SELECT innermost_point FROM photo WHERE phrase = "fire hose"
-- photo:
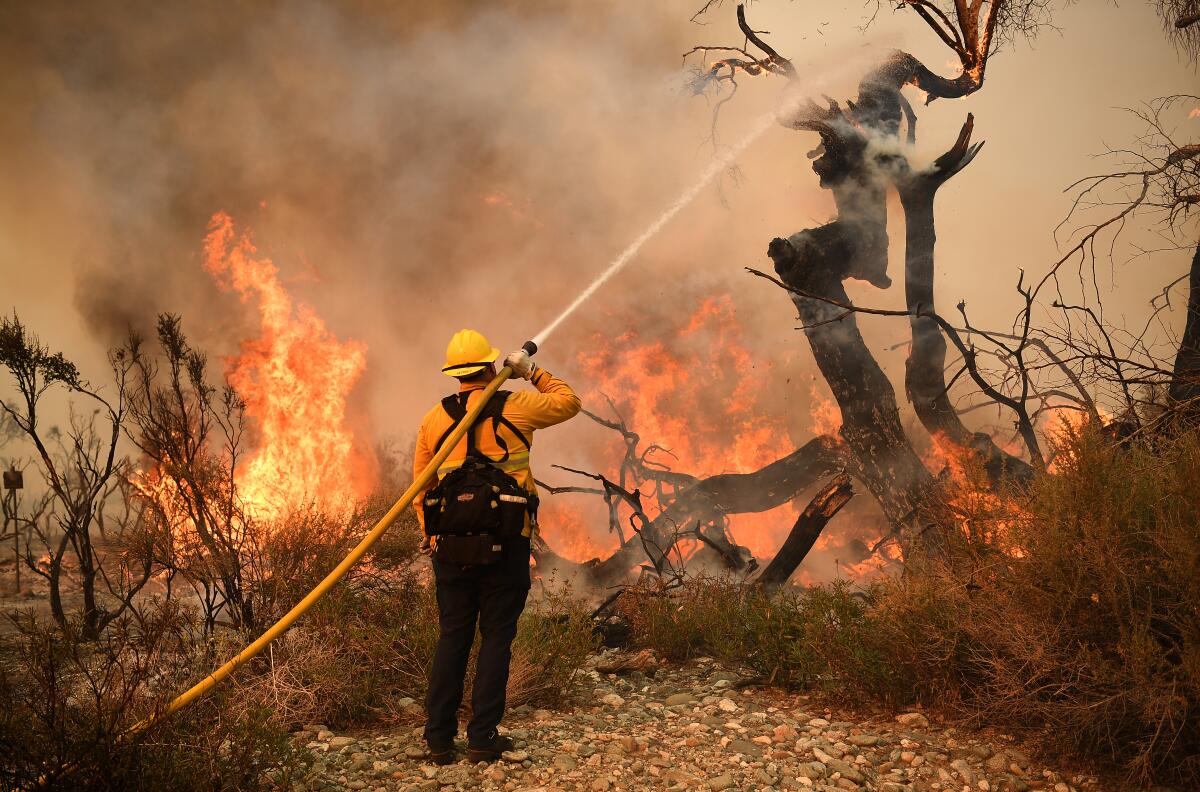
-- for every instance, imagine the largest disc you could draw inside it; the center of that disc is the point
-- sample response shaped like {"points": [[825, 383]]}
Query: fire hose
{"points": [[337, 573]]}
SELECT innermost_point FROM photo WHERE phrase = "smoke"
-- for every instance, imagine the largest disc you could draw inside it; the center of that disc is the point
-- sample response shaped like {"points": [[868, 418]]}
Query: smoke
{"points": [[411, 169]]}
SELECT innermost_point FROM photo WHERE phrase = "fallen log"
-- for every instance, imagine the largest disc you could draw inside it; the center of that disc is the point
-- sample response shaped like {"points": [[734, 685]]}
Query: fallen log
{"points": [[820, 510], [717, 496]]}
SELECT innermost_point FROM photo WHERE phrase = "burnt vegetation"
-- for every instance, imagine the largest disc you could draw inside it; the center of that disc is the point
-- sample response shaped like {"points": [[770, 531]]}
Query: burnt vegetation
{"points": [[1078, 543]]}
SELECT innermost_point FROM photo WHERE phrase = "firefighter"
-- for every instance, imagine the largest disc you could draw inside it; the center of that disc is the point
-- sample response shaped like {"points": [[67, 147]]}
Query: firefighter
{"points": [[478, 519]]}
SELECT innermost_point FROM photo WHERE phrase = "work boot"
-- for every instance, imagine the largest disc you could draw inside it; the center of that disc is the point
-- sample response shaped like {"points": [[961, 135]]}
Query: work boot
{"points": [[489, 752], [441, 755]]}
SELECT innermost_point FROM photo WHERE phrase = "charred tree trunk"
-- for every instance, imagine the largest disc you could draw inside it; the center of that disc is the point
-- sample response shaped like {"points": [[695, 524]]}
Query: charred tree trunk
{"points": [[820, 510], [1185, 379], [925, 369], [815, 262]]}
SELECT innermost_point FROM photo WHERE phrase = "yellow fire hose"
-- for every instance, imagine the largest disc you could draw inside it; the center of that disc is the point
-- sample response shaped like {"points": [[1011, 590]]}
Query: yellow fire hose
{"points": [[321, 589]]}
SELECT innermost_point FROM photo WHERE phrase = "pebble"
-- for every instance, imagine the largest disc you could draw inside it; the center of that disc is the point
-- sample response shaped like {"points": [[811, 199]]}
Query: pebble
{"points": [[687, 729]]}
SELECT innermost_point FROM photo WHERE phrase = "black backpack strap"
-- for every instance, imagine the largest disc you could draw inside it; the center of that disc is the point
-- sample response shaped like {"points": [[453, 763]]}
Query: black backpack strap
{"points": [[456, 407]]}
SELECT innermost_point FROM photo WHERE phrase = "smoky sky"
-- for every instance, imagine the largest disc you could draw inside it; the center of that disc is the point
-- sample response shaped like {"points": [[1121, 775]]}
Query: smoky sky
{"points": [[414, 168]]}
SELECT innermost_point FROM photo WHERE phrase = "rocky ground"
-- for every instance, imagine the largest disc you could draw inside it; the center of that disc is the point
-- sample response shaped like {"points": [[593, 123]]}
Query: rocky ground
{"points": [[694, 728]]}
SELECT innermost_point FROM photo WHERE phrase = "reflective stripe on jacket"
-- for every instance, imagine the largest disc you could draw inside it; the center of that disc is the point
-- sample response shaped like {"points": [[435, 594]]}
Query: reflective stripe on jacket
{"points": [[554, 402]]}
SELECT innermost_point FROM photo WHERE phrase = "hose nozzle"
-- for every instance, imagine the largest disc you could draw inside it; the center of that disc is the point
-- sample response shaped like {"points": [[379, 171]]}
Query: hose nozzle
{"points": [[530, 347]]}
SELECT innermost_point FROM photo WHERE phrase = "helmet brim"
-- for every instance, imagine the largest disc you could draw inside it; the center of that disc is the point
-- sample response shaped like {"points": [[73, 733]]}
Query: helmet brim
{"points": [[459, 370]]}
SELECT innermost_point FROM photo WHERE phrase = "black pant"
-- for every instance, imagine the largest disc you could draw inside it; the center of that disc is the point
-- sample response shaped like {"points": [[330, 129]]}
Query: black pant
{"points": [[492, 596]]}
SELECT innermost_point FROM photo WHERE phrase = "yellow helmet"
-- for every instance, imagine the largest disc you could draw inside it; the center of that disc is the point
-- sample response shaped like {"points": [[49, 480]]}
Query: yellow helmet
{"points": [[468, 353]]}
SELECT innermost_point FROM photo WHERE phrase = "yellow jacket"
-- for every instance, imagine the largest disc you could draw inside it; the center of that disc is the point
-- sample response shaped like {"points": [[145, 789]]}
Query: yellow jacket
{"points": [[554, 403]]}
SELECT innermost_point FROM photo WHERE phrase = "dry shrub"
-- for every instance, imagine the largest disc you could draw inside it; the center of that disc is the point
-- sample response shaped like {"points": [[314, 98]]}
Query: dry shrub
{"points": [[701, 616], [1072, 608], [816, 638], [369, 644], [554, 638], [1081, 615], [66, 706]]}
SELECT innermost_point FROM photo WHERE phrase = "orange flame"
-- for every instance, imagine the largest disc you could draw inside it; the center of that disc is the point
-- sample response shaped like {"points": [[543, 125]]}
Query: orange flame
{"points": [[699, 395], [295, 379]]}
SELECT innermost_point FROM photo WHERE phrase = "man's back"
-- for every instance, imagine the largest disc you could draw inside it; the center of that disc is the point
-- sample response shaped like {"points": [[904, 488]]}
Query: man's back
{"points": [[554, 402]]}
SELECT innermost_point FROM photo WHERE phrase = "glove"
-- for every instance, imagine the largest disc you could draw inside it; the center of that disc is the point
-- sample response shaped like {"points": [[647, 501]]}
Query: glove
{"points": [[521, 364], [425, 549]]}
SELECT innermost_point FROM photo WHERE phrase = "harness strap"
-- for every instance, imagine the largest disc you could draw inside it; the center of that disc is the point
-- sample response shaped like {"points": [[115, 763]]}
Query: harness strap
{"points": [[455, 406]]}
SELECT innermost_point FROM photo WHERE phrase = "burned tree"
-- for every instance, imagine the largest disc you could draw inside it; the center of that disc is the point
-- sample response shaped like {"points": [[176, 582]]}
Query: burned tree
{"points": [[189, 434], [1157, 177], [81, 471]]}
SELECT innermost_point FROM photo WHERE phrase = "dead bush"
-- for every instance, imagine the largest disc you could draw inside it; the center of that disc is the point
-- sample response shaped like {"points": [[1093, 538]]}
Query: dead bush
{"points": [[370, 644], [1080, 613], [66, 706], [820, 638], [554, 638]]}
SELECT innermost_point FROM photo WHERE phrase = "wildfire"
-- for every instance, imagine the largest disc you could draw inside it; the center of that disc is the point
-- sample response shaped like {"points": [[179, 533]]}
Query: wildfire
{"points": [[825, 418], [980, 511], [295, 379], [700, 395]]}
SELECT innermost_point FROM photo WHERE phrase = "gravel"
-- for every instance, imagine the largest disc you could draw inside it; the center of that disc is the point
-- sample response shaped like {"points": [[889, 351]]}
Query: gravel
{"points": [[692, 728]]}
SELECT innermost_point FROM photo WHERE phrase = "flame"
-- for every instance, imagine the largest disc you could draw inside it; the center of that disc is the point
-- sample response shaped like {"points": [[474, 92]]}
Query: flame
{"points": [[295, 379], [825, 417], [1195, 113], [972, 502], [696, 397]]}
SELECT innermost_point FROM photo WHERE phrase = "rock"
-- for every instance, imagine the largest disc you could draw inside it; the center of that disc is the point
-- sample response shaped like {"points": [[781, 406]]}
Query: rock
{"points": [[723, 781], [515, 756], [727, 705], [415, 752], [964, 771], [565, 763], [679, 698], [745, 747], [1010, 783], [863, 740], [341, 742], [601, 785], [847, 771], [453, 774], [764, 778], [613, 700], [496, 774], [913, 720], [783, 733], [677, 776]]}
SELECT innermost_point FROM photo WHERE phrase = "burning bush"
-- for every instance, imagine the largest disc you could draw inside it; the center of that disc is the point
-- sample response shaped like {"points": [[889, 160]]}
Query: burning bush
{"points": [[1090, 623]]}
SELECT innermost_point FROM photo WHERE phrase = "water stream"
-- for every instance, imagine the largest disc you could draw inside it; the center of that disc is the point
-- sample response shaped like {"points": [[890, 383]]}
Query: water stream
{"points": [[720, 163]]}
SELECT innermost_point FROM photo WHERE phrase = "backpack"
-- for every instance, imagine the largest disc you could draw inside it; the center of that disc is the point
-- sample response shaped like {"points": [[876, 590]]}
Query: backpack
{"points": [[477, 504]]}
